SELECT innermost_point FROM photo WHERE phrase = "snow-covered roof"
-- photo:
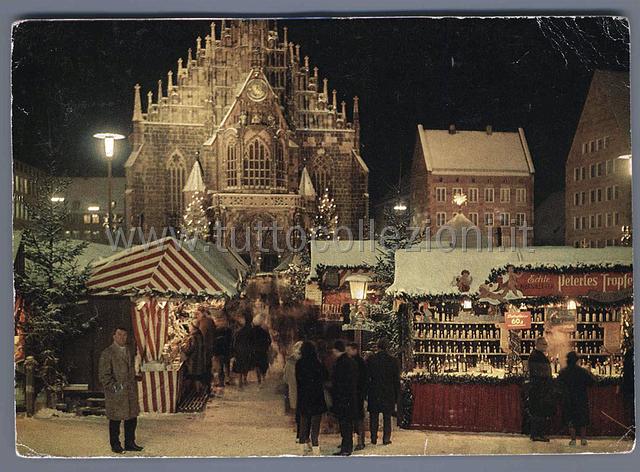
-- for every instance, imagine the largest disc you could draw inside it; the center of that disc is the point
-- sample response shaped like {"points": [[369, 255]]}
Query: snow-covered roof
{"points": [[133, 156], [343, 254], [475, 152], [360, 161], [306, 186], [466, 233], [422, 272], [195, 182], [95, 253]]}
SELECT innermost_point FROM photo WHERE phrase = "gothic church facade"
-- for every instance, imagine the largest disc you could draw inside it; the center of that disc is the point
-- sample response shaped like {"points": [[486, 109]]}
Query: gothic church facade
{"points": [[267, 133]]}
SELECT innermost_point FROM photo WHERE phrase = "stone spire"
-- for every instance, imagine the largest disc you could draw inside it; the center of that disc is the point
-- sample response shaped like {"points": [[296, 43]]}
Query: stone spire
{"points": [[179, 67], [315, 74], [343, 112], [306, 62], [159, 91], [325, 89], [169, 82], [213, 32], [291, 53], [137, 104], [334, 100], [356, 121], [149, 100], [189, 58], [298, 53], [198, 44], [286, 36]]}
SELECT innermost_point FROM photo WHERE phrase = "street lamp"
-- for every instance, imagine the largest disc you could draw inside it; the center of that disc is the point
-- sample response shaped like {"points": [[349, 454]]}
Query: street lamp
{"points": [[109, 140], [358, 285]]}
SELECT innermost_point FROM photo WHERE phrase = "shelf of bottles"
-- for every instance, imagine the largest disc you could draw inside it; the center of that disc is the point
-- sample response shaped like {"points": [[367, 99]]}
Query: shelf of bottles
{"points": [[446, 344], [588, 338]]}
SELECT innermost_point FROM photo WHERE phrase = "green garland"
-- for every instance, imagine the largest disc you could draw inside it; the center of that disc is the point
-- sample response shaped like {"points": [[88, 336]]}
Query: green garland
{"points": [[322, 268], [148, 292], [578, 268]]}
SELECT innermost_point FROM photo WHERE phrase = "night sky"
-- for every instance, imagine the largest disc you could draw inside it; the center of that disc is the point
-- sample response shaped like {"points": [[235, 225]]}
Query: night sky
{"points": [[73, 79]]}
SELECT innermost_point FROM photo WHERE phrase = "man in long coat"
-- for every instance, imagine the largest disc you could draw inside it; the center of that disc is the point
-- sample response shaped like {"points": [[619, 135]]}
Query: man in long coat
{"points": [[353, 351], [117, 376], [541, 401], [383, 391], [344, 395]]}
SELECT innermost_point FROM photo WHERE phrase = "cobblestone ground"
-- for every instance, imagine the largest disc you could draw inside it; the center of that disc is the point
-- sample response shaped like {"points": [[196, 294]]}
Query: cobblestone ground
{"points": [[251, 422]]}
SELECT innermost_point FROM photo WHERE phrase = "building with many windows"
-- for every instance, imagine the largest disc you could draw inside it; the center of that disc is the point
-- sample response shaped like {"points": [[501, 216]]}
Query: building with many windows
{"points": [[598, 167], [256, 114], [486, 175], [25, 190]]}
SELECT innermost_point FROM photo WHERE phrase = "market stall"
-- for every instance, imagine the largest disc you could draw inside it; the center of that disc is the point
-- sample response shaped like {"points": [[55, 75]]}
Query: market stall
{"points": [[161, 284], [332, 262], [476, 316]]}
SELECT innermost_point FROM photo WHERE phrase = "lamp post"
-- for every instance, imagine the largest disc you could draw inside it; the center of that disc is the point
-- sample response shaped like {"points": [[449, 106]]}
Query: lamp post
{"points": [[358, 285], [109, 140]]}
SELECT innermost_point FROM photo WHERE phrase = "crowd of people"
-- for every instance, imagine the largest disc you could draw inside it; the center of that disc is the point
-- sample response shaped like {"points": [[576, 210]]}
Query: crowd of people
{"points": [[339, 383], [213, 350], [570, 387]]}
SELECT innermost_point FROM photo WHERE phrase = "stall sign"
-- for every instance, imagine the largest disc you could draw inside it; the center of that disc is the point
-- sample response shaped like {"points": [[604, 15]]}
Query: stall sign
{"points": [[518, 319], [532, 283], [560, 319]]}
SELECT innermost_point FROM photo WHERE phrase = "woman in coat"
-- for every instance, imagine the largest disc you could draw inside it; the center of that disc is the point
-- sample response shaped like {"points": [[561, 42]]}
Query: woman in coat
{"points": [[575, 381], [289, 379], [310, 378], [243, 351], [196, 357]]}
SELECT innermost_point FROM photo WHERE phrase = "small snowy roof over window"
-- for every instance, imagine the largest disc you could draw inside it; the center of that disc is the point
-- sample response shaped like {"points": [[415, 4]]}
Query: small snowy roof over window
{"points": [[306, 186], [343, 254], [460, 229], [195, 182], [421, 272], [475, 152]]}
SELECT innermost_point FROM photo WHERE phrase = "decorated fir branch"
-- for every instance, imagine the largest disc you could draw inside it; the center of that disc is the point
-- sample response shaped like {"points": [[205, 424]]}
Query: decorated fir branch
{"points": [[325, 221], [578, 268], [195, 221]]}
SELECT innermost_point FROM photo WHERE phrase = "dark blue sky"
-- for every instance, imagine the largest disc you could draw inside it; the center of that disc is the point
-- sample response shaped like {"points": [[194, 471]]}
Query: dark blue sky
{"points": [[71, 79]]}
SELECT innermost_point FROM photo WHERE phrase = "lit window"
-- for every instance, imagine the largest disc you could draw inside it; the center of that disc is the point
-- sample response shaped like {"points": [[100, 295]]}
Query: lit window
{"points": [[257, 165], [232, 166], [473, 195], [95, 218], [441, 194], [457, 191], [86, 219], [504, 219]]}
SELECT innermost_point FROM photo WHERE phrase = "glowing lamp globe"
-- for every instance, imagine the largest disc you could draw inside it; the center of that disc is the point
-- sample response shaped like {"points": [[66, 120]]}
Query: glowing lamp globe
{"points": [[109, 142], [358, 286]]}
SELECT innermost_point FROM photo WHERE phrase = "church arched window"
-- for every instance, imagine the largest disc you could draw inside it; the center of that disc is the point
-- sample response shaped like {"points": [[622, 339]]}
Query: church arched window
{"points": [[321, 178], [257, 165], [176, 173], [232, 165], [280, 166]]}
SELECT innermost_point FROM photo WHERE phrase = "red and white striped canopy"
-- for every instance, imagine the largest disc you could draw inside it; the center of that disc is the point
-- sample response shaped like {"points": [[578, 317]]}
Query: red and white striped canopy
{"points": [[160, 266]]}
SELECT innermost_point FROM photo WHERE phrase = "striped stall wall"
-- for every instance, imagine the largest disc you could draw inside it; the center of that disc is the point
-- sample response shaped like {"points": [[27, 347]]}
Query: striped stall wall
{"points": [[159, 391]]}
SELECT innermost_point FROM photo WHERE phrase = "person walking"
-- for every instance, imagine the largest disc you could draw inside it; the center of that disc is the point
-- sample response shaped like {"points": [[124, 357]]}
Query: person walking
{"points": [[291, 388], [207, 328], [195, 356], [261, 345], [222, 344], [310, 376], [243, 351], [117, 376], [575, 381], [383, 391], [541, 402], [353, 351], [344, 395]]}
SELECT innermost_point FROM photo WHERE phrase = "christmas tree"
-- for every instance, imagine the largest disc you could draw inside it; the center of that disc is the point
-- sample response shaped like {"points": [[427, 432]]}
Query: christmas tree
{"points": [[195, 221], [326, 220], [52, 284]]}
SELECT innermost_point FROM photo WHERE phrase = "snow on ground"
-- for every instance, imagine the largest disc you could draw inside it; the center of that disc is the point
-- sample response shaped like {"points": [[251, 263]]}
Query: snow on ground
{"points": [[251, 422]]}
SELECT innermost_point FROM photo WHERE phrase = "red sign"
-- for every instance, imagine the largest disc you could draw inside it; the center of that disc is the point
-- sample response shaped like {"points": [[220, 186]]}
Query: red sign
{"points": [[518, 319], [533, 284]]}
